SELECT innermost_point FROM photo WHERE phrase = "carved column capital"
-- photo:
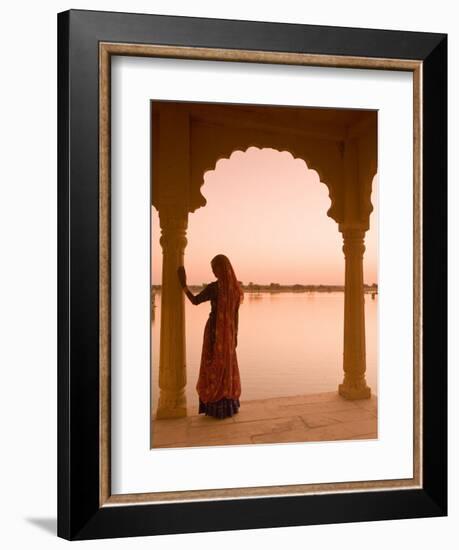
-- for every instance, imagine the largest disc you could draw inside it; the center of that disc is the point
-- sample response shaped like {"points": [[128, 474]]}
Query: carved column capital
{"points": [[354, 242], [173, 232]]}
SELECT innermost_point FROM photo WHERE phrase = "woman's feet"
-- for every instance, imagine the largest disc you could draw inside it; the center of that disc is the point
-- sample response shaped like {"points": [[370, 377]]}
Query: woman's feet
{"points": [[223, 408]]}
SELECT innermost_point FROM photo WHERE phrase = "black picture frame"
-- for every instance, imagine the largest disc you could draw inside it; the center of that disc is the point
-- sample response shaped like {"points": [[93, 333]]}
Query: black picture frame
{"points": [[80, 515]]}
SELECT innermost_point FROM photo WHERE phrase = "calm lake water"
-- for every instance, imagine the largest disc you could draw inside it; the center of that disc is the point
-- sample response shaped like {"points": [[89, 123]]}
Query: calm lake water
{"points": [[288, 343]]}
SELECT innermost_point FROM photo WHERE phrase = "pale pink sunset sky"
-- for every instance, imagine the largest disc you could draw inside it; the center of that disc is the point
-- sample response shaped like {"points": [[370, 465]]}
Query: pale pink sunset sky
{"points": [[267, 212]]}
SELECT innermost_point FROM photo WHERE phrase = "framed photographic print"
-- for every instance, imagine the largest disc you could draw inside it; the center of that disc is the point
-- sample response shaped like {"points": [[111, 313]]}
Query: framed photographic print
{"points": [[252, 274]]}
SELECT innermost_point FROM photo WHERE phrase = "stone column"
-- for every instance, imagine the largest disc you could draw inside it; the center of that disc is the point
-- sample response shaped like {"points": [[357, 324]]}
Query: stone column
{"points": [[172, 358], [354, 385]]}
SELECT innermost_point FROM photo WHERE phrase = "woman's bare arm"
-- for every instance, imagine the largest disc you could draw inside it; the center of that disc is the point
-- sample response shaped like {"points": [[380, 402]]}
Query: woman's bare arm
{"points": [[190, 296], [181, 273], [195, 300]]}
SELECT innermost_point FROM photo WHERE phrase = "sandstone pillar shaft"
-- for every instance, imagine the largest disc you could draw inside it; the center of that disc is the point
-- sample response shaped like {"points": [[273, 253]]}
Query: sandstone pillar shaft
{"points": [[354, 385], [172, 358]]}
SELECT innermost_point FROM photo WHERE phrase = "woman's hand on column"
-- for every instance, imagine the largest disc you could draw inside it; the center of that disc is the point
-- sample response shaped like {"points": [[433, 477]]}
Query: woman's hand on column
{"points": [[181, 276]]}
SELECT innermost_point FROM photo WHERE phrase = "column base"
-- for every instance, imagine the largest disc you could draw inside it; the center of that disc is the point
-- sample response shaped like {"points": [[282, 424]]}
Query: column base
{"points": [[354, 392], [178, 412], [172, 404]]}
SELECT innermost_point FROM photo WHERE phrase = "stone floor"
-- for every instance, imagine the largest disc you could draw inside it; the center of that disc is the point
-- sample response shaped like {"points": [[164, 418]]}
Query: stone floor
{"points": [[314, 417]]}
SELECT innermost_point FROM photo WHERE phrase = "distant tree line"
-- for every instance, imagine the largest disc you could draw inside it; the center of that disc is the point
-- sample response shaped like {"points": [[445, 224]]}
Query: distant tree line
{"points": [[277, 287]]}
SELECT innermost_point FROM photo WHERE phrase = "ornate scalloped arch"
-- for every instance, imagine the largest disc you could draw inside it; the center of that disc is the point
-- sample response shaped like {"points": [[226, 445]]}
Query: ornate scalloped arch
{"points": [[200, 169]]}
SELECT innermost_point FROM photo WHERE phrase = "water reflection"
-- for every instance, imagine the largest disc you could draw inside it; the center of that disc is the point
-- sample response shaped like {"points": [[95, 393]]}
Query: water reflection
{"points": [[289, 343]]}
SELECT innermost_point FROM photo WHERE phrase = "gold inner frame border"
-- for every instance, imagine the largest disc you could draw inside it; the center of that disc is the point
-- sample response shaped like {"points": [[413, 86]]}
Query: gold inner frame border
{"points": [[106, 51]]}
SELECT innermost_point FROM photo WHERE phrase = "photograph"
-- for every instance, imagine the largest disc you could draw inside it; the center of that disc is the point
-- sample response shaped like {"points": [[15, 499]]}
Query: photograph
{"points": [[264, 274]]}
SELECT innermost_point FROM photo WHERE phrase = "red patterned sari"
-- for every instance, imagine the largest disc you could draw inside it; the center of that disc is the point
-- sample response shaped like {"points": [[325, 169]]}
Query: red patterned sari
{"points": [[219, 383]]}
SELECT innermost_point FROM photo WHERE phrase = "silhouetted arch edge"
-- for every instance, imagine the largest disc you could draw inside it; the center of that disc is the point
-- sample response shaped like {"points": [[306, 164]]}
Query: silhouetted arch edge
{"points": [[211, 166]]}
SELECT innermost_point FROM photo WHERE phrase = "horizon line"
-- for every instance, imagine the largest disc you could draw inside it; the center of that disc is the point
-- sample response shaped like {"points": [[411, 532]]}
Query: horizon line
{"points": [[279, 284]]}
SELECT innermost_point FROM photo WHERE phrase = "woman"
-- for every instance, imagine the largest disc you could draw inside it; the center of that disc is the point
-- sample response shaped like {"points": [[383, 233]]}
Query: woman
{"points": [[219, 384]]}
